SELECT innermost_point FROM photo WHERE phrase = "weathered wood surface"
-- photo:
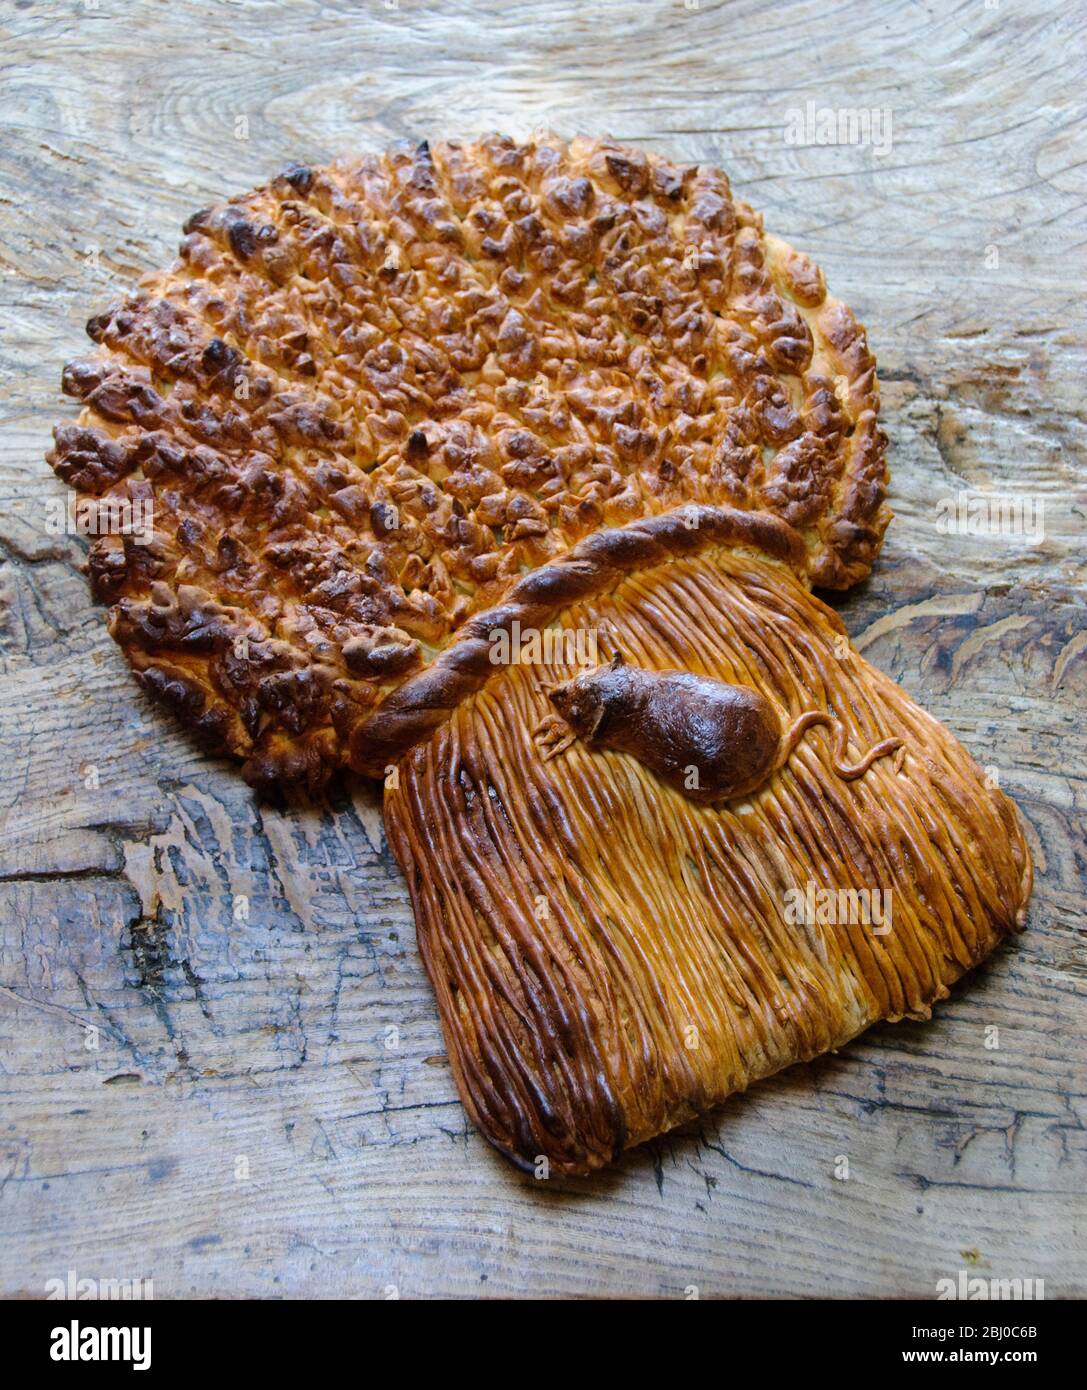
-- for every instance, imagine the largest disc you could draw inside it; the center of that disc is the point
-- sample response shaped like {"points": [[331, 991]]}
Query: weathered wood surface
{"points": [[264, 1044]]}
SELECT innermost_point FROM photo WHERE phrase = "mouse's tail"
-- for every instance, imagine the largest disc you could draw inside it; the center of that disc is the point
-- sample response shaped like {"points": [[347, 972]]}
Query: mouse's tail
{"points": [[845, 770]]}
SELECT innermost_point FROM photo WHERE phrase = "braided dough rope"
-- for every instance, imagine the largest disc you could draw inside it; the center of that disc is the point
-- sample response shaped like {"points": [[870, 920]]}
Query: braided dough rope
{"points": [[612, 959], [596, 564]]}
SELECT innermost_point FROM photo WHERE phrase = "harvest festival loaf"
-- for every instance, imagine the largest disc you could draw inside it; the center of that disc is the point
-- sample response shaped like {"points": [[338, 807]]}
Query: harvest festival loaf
{"points": [[393, 417]]}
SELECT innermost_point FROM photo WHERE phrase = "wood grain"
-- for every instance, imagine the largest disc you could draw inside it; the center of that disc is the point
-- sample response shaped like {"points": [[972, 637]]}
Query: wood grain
{"points": [[302, 1038]]}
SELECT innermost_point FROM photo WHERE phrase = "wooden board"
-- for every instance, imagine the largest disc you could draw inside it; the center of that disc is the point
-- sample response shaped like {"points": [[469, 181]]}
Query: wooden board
{"points": [[220, 1065]]}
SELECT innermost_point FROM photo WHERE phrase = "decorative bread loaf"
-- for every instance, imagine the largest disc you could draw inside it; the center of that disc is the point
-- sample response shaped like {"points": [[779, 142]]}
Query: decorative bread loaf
{"points": [[381, 420]]}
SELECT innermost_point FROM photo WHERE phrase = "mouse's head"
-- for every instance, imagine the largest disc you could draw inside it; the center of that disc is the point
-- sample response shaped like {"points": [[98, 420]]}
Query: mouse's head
{"points": [[583, 700]]}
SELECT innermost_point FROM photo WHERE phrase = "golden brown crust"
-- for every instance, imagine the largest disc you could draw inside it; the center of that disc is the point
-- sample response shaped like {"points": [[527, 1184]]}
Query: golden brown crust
{"points": [[612, 958], [368, 398]]}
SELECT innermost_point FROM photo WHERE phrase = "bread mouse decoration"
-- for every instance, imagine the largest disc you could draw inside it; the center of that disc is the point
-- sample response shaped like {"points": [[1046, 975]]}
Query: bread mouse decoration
{"points": [[706, 738]]}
